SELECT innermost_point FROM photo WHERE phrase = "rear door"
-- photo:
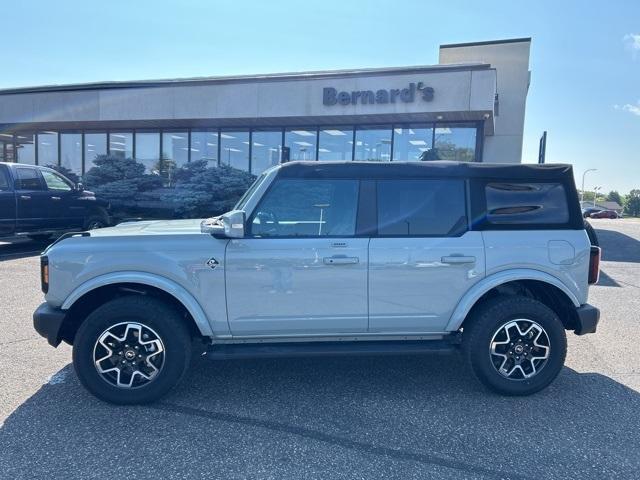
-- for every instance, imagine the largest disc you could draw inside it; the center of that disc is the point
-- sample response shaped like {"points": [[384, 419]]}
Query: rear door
{"points": [[33, 201], [423, 258], [7, 203]]}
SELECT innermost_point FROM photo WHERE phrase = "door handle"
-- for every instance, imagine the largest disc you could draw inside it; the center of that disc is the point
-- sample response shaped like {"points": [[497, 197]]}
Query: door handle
{"points": [[340, 260], [25, 197], [458, 259], [55, 198]]}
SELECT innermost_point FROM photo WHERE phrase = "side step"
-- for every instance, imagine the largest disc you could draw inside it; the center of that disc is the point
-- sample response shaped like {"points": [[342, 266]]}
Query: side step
{"points": [[327, 349]]}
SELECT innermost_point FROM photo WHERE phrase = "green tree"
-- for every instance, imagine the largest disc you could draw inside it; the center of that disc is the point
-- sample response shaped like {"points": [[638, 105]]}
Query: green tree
{"points": [[614, 196], [632, 203], [202, 192]]}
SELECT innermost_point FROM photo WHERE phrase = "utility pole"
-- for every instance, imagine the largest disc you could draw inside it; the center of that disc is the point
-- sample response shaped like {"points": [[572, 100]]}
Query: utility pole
{"points": [[582, 189], [595, 194]]}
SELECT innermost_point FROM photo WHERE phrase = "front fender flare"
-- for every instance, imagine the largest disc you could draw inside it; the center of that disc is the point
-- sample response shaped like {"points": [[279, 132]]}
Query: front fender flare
{"points": [[478, 290], [152, 280]]}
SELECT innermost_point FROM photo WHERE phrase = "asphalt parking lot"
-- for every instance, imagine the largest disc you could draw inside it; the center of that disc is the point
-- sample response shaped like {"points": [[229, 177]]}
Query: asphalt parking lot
{"points": [[356, 418]]}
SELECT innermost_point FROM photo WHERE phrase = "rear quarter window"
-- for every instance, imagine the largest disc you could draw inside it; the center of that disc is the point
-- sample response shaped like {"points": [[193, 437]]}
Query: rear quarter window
{"points": [[526, 203]]}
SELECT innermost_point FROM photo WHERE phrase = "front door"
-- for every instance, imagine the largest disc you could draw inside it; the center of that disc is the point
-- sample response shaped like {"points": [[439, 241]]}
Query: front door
{"points": [[300, 270], [423, 259], [67, 211]]}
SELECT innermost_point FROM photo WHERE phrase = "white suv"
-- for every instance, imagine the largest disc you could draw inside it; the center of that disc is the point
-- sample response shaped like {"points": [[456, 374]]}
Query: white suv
{"points": [[334, 258]]}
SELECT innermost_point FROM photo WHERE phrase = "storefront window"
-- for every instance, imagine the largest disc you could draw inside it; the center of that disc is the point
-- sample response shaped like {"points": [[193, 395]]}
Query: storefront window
{"points": [[175, 147], [336, 144], [147, 150], [456, 142], [94, 144], [204, 146], [266, 150], [373, 144], [48, 148], [301, 144], [412, 143], [121, 144], [71, 152], [234, 149], [6, 139], [26, 148]]}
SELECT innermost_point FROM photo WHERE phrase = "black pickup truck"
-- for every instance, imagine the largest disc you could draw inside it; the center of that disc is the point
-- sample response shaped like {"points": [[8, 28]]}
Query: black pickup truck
{"points": [[39, 202]]}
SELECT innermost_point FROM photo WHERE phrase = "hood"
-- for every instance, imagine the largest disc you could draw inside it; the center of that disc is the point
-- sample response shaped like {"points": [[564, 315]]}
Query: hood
{"points": [[154, 227]]}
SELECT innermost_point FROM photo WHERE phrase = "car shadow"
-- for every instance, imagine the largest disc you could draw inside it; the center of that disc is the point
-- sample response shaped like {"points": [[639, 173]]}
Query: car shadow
{"points": [[618, 247], [606, 281], [382, 417]]}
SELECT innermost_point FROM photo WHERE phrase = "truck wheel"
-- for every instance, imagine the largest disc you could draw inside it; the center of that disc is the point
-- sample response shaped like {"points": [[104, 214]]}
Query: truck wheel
{"points": [[132, 350], [514, 345], [96, 220]]}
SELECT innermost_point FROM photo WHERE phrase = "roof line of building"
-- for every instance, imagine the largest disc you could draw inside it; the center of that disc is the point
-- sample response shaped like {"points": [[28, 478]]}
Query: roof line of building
{"points": [[270, 77], [488, 42]]}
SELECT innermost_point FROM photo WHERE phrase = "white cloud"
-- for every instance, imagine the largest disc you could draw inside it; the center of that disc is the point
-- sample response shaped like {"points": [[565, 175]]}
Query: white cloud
{"points": [[628, 107], [632, 43]]}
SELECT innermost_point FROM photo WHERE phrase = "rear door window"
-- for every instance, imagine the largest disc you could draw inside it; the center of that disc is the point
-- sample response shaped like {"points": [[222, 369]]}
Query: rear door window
{"points": [[421, 207], [28, 179], [4, 181], [526, 203]]}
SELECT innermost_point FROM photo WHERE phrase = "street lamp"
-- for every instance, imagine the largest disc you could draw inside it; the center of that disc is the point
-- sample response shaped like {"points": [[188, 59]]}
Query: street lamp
{"points": [[582, 190], [595, 194]]}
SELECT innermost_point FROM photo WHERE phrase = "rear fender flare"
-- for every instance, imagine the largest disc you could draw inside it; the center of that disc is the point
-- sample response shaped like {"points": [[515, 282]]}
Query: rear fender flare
{"points": [[477, 291]]}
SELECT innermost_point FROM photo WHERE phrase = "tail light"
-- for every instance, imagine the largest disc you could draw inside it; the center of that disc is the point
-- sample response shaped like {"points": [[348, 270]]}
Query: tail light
{"points": [[44, 274], [594, 265]]}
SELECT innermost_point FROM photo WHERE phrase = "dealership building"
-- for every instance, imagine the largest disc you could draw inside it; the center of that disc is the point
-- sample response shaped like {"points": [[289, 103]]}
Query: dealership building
{"points": [[468, 107]]}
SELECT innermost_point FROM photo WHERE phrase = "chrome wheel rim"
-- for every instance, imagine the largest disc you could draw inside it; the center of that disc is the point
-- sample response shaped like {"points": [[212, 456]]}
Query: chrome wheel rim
{"points": [[519, 349], [129, 355]]}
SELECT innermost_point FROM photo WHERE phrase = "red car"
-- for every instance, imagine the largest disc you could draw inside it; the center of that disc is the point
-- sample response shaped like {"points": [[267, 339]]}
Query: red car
{"points": [[605, 214]]}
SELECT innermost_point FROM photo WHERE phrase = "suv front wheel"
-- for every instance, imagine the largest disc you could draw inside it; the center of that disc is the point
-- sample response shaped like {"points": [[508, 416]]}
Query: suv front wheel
{"points": [[132, 350], [514, 345]]}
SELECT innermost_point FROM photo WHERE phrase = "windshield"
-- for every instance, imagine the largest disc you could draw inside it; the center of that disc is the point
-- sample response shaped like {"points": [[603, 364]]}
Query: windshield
{"points": [[247, 195]]}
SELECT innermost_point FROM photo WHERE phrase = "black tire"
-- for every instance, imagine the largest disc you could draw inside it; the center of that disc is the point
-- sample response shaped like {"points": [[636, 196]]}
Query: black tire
{"points": [[487, 320], [160, 319], [97, 219]]}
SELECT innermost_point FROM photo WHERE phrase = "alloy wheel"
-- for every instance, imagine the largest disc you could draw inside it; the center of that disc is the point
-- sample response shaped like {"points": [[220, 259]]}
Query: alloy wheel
{"points": [[519, 349]]}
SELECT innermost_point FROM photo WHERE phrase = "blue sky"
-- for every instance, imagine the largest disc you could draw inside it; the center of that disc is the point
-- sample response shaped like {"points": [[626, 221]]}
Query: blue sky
{"points": [[585, 57]]}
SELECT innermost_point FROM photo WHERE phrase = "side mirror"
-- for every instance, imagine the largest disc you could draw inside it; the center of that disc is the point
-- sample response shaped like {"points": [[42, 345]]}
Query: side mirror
{"points": [[229, 225], [79, 187]]}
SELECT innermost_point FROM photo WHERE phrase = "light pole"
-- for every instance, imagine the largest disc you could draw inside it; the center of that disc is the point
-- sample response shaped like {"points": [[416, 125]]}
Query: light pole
{"points": [[595, 194], [582, 190]]}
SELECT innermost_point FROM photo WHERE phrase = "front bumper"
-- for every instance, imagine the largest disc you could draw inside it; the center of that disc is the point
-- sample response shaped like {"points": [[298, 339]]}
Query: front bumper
{"points": [[587, 317], [48, 321]]}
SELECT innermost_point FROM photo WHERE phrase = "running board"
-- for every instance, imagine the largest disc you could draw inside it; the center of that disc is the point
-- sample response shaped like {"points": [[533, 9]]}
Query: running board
{"points": [[329, 349]]}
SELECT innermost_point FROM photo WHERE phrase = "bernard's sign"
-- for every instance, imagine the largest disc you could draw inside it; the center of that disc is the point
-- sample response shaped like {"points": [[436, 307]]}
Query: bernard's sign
{"points": [[331, 96]]}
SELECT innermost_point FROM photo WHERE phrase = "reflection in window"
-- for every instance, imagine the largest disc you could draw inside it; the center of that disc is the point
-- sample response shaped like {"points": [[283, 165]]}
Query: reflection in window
{"points": [[148, 150], [307, 208], [412, 143], [48, 148], [234, 149], [530, 203], [266, 150], [26, 148], [55, 181], [94, 144], [71, 152], [373, 144], [455, 142], [301, 144], [175, 147], [335, 144], [204, 146], [121, 144]]}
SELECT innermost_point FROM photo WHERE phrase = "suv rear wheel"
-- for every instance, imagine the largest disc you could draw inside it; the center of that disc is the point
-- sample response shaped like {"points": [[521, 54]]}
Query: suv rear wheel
{"points": [[515, 345], [132, 350]]}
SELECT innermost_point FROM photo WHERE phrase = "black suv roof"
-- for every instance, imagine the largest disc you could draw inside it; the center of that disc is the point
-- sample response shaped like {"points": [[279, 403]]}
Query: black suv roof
{"points": [[557, 172]]}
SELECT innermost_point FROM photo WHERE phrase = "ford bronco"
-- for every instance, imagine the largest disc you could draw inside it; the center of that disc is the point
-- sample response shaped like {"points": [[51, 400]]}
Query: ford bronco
{"points": [[334, 258]]}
